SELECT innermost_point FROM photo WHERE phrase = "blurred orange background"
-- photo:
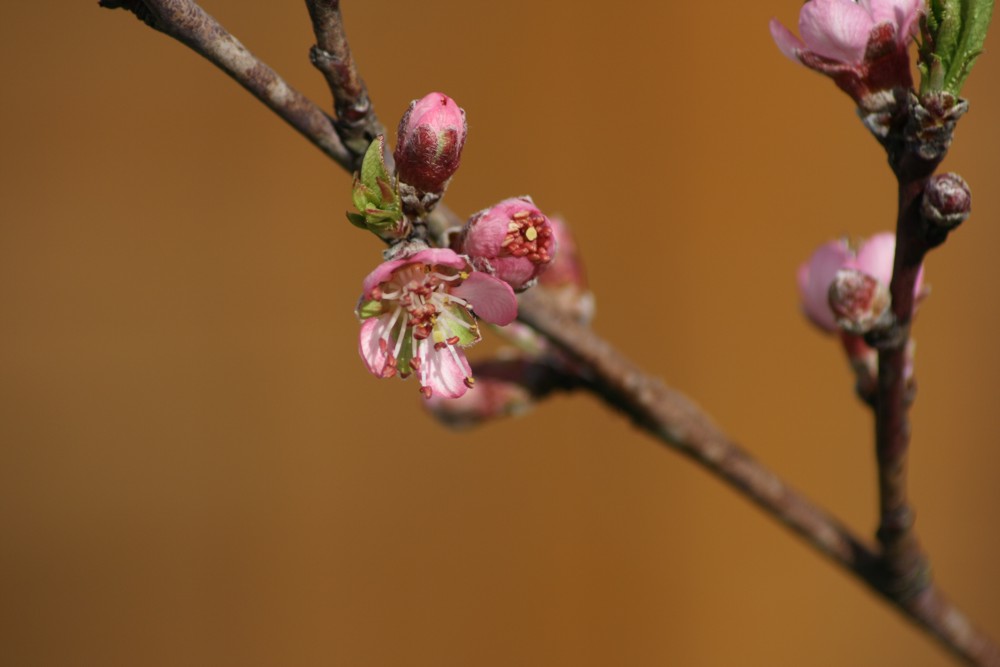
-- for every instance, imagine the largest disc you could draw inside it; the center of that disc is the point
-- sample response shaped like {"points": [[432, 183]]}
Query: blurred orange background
{"points": [[197, 469]]}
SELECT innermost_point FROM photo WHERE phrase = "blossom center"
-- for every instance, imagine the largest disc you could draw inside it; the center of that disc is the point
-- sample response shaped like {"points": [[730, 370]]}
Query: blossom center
{"points": [[422, 318], [528, 235]]}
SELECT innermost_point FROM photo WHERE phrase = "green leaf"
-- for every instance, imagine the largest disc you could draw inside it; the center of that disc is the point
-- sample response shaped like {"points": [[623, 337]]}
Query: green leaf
{"points": [[373, 166], [361, 195], [949, 20], [976, 16], [374, 193], [954, 32]]}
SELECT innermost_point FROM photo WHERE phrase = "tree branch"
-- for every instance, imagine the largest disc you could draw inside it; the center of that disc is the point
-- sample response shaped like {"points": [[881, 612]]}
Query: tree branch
{"points": [[189, 24], [356, 122], [675, 421], [661, 411]]}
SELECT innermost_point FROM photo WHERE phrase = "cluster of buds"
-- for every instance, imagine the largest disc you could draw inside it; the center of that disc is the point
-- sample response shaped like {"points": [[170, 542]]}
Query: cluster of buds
{"points": [[421, 307], [529, 368], [864, 46], [429, 149]]}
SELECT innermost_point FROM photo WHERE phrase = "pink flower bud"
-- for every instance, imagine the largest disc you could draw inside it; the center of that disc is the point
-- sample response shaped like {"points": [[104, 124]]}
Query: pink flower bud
{"points": [[513, 241], [874, 258], [862, 46], [858, 301], [947, 200], [429, 143]]}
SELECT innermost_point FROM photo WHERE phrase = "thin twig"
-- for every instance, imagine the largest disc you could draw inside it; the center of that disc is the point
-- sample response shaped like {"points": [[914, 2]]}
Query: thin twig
{"points": [[665, 413], [356, 122], [918, 142], [189, 24], [907, 567]]}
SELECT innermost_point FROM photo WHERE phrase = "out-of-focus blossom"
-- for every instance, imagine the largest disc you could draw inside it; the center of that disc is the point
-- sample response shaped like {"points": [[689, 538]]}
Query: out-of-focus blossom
{"points": [[566, 278], [873, 257], [419, 312]]}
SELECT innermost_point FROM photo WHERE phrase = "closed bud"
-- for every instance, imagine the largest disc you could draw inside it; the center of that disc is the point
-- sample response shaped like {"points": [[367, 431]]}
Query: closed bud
{"points": [[859, 302], [947, 200], [512, 240], [428, 150], [862, 46], [873, 259]]}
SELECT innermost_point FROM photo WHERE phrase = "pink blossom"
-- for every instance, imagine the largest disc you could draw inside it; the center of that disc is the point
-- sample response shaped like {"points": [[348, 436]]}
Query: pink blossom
{"points": [[860, 44], [512, 240], [429, 144], [873, 257], [420, 311]]}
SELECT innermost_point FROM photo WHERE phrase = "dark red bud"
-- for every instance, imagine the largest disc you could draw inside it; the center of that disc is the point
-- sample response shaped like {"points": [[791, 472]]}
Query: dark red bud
{"points": [[947, 200]]}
